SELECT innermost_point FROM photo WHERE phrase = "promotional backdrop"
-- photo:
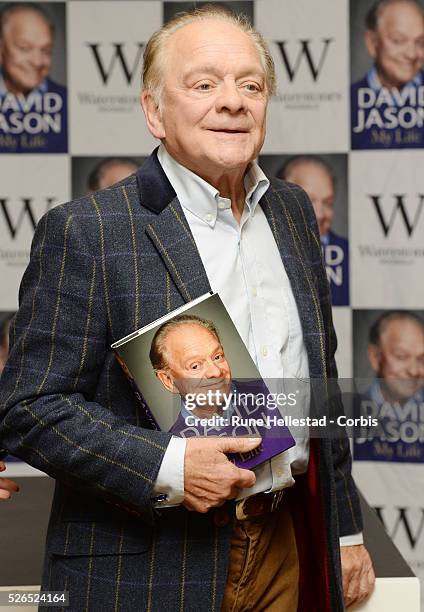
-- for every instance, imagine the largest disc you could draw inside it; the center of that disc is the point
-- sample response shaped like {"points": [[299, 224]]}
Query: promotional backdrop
{"points": [[337, 91]]}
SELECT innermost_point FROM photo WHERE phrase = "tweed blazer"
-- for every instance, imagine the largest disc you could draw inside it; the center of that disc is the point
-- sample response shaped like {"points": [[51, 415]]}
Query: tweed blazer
{"points": [[101, 267]]}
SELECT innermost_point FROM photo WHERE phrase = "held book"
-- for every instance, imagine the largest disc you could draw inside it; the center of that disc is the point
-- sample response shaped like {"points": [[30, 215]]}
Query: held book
{"points": [[192, 375]]}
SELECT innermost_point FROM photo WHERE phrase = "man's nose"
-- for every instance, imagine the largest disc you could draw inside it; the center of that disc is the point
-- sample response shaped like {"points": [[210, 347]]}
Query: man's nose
{"points": [[230, 98], [212, 369], [410, 51], [414, 370], [37, 59]]}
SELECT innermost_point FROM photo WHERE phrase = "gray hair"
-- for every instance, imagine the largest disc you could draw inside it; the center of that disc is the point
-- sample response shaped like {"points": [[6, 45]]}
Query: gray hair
{"points": [[14, 7], [381, 323], [153, 59], [298, 160], [158, 347], [374, 14]]}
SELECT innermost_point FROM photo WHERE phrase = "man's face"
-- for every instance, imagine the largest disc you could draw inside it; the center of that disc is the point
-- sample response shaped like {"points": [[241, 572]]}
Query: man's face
{"points": [[398, 44], [399, 359], [318, 185], [196, 362], [25, 51], [213, 104], [115, 173]]}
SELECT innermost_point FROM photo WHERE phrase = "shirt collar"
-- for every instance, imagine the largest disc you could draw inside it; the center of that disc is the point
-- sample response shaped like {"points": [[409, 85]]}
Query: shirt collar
{"points": [[375, 84], [325, 240], [42, 88], [376, 394], [201, 198]]}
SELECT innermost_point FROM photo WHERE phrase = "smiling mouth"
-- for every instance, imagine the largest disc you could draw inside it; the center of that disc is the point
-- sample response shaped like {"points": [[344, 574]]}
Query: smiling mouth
{"points": [[211, 385], [229, 131]]}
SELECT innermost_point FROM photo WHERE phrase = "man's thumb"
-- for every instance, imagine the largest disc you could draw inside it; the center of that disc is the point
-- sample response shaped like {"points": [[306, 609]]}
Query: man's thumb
{"points": [[239, 445]]}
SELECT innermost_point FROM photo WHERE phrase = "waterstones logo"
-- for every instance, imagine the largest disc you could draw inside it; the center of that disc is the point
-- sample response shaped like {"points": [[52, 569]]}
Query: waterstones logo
{"points": [[305, 60], [398, 216], [399, 212], [23, 212], [117, 59], [312, 57], [413, 529]]}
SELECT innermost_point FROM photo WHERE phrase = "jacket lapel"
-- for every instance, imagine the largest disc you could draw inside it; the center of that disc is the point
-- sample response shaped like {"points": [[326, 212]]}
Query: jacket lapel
{"points": [[171, 235], [296, 259], [170, 232]]}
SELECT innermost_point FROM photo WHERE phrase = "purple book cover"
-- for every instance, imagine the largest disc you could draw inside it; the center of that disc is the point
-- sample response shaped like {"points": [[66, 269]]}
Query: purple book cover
{"points": [[248, 413], [192, 375]]}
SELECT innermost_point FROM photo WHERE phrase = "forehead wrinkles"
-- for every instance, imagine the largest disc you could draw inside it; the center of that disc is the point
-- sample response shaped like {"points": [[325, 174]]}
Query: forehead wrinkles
{"points": [[31, 27], [407, 18], [187, 54]]}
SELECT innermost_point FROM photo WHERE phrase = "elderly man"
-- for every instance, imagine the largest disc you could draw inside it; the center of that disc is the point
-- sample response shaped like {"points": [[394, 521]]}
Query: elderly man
{"points": [[315, 176], [396, 354], [386, 103], [199, 213], [109, 171], [33, 115], [188, 358]]}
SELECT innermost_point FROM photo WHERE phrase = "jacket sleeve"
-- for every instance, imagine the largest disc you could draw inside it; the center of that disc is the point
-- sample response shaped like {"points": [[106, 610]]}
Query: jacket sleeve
{"points": [[59, 344], [348, 507]]}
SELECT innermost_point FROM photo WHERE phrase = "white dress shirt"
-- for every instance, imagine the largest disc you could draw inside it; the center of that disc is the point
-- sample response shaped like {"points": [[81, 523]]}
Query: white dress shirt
{"points": [[244, 267]]}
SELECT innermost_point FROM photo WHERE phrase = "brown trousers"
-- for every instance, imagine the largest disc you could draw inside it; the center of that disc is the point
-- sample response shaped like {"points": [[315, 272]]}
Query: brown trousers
{"points": [[264, 567]]}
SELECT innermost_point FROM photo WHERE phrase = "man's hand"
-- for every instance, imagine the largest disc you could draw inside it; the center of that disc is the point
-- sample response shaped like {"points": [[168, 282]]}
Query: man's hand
{"points": [[209, 477], [358, 574], [7, 487]]}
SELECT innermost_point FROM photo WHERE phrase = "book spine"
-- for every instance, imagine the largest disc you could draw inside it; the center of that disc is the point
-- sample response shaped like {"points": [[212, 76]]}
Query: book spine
{"points": [[147, 413]]}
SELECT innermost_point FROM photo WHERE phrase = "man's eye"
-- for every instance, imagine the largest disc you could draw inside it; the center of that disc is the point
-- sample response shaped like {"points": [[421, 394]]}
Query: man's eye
{"points": [[194, 366], [219, 357], [251, 87], [204, 86]]}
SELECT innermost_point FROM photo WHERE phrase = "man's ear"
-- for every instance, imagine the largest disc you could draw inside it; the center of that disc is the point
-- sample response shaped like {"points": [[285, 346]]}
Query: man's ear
{"points": [[152, 114], [374, 357], [167, 381], [371, 43]]}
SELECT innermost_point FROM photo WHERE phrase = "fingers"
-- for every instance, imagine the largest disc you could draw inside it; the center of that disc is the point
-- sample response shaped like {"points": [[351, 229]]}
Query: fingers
{"points": [[245, 478], [238, 445], [351, 588], [2, 466], [366, 584], [358, 574], [210, 479], [8, 485]]}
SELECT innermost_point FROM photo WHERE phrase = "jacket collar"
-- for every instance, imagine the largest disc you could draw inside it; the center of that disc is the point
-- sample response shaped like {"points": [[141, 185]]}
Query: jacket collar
{"points": [[156, 192]]}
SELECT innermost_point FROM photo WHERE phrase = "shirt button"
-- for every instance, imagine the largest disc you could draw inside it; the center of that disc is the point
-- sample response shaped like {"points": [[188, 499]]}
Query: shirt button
{"points": [[254, 292], [208, 218], [221, 205], [264, 351]]}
